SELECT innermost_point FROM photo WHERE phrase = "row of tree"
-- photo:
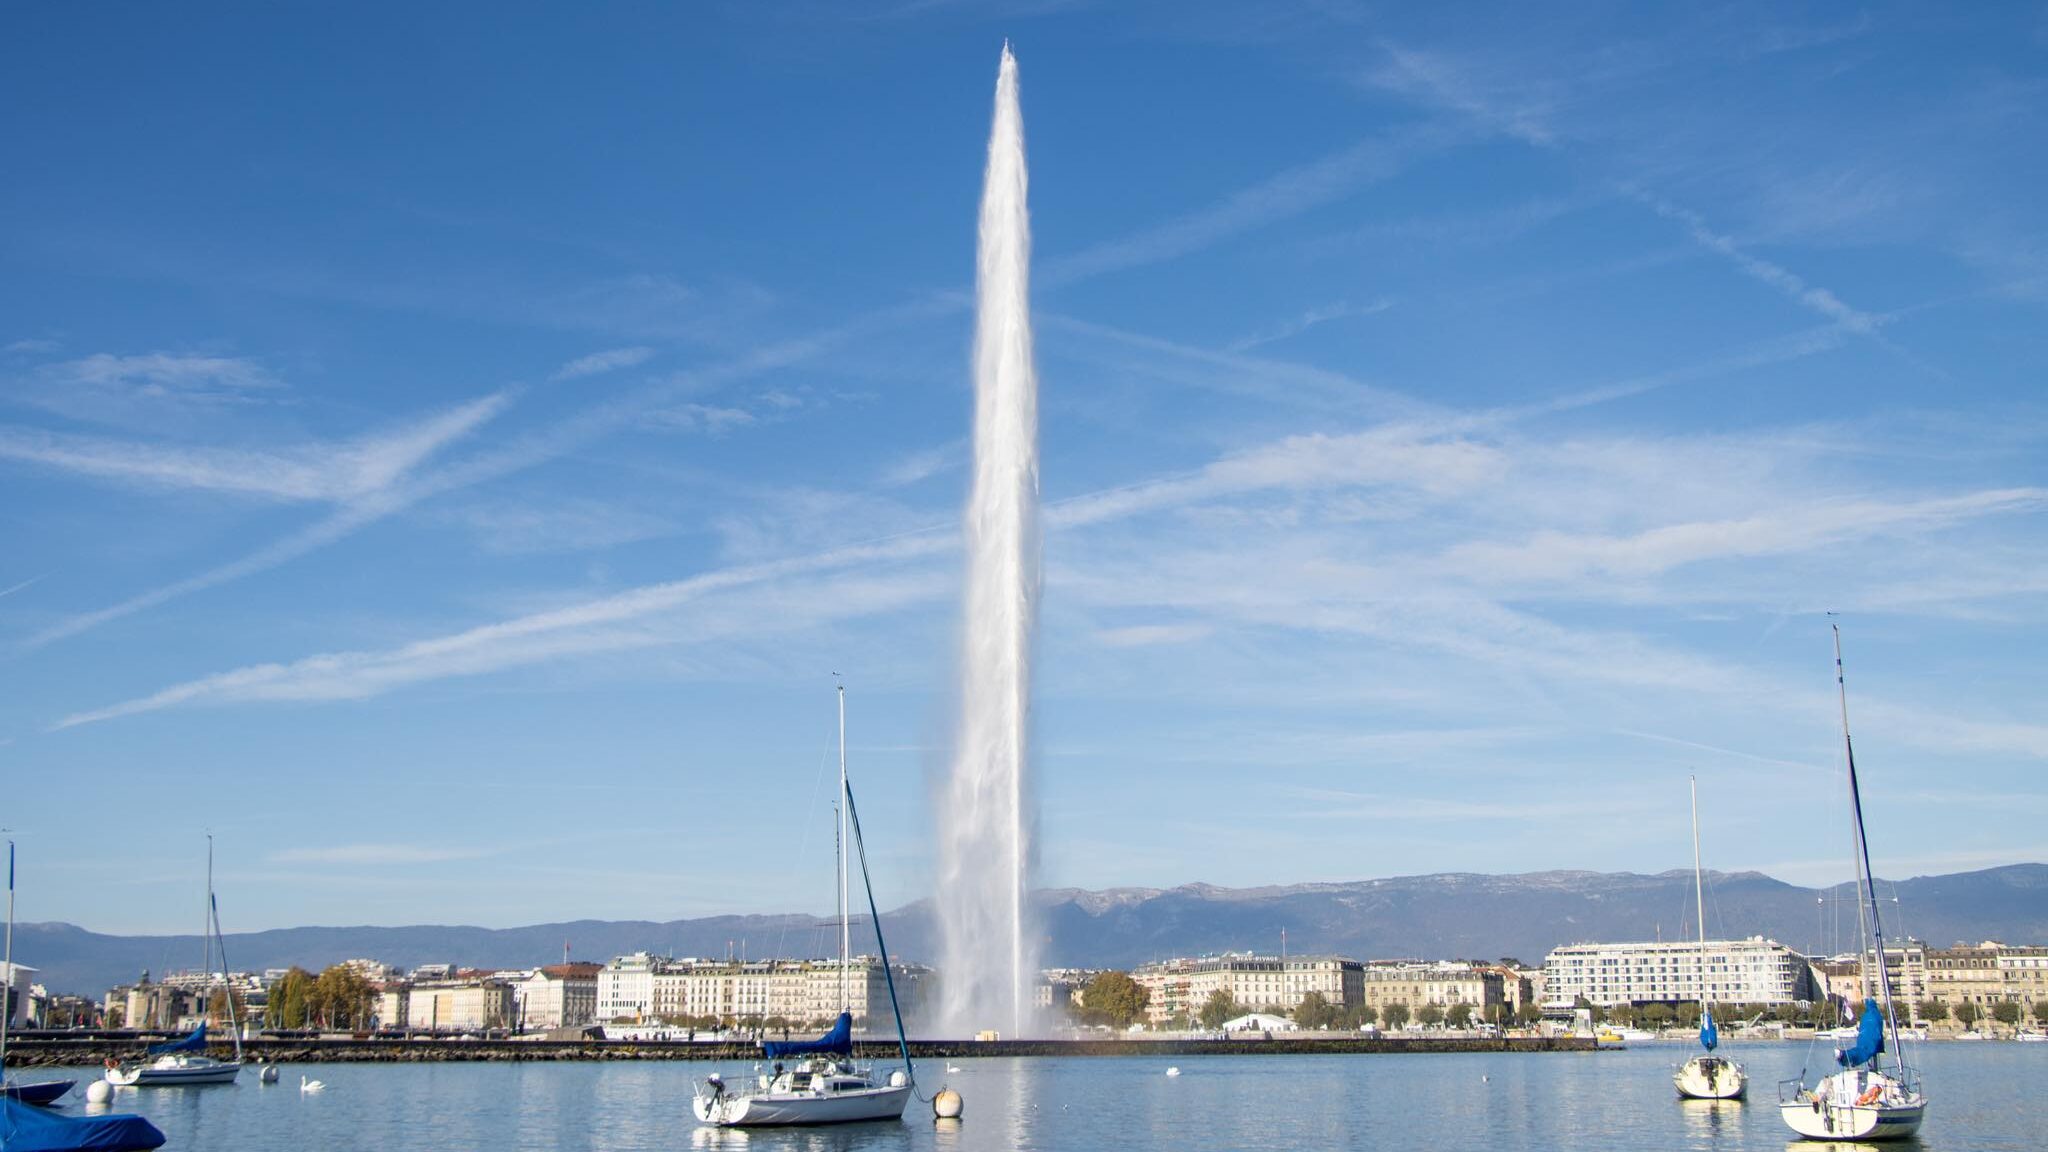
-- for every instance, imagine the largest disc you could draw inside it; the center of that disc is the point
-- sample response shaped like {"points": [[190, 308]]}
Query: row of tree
{"points": [[1116, 1000], [2008, 1012], [338, 999]]}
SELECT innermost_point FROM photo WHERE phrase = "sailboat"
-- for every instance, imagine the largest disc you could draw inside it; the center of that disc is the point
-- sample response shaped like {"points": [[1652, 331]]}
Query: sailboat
{"points": [[184, 1061], [1706, 1076], [821, 1084], [43, 1092], [1863, 1100]]}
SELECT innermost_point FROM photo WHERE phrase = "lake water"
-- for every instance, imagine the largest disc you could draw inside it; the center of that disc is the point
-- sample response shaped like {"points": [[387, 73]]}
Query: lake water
{"points": [[1986, 1096]]}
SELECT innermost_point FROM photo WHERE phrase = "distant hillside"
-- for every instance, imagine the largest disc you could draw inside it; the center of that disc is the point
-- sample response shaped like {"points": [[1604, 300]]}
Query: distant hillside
{"points": [[1445, 915]]}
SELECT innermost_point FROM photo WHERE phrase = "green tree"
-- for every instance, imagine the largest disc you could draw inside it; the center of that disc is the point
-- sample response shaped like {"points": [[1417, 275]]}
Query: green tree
{"points": [[2041, 1011], [1967, 1014], [1113, 998], [1623, 1014], [2006, 1012], [1527, 1013], [1430, 1015], [1459, 1016], [289, 999], [340, 997], [1654, 1016], [1220, 1006], [1394, 1015], [1316, 1012], [1932, 1011]]}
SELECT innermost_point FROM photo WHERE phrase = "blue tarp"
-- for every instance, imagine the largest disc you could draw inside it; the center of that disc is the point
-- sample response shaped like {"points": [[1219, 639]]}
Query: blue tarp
{"points": [[1869, 1038], [24, 1128], [1710, 1037], [196, 1042], [837, 1042]]}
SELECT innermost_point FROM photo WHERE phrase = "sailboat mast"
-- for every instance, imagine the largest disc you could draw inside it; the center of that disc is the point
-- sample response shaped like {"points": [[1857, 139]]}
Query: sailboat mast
{"points": [[7, 997], [206, 913], [1699, 892], [845, 907], [1866, 882]]}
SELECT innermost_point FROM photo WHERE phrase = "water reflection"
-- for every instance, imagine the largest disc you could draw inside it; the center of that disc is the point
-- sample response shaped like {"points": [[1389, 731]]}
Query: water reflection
{"points": [[1705, 1120]]}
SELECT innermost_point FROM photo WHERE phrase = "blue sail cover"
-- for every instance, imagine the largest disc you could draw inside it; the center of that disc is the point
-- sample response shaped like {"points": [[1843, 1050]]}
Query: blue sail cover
{"points": [[196, 1042], [1710, 1037], [24, 1128], [837, 1042], [1869, 1038]]}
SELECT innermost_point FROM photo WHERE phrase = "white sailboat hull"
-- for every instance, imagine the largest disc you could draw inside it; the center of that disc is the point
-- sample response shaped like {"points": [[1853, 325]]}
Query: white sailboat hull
{"points": [[1823, 1121], [171, 1071], [1710, 1078], [778, 1109]]}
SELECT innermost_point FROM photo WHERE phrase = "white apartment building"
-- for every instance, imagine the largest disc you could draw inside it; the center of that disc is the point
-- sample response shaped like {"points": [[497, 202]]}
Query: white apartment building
{"points": [[640, 987], [1442, 984], [1181, 986], [458, 1006], [557, 996], [1752, 971]]}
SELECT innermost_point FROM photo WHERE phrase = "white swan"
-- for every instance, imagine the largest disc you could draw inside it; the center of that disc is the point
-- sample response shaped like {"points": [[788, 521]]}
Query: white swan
{"points": [[1173, 1071], [952, 1067], [306, 1085]]}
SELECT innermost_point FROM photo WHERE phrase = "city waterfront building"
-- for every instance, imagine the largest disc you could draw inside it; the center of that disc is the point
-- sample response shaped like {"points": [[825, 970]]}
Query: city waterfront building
{"points": [[1273, 984], [1482, 987], [1987, 974], [756, 993], [16, 979], [460, 1004], [1751, 971], [556, 996]]}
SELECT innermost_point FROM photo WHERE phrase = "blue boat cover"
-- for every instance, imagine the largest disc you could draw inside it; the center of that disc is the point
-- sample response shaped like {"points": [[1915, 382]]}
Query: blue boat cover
{"points": [[1869, 1038], [41, 1092], [837, 1042], [196, 1042], [1710, 1037], [24, 1128]]}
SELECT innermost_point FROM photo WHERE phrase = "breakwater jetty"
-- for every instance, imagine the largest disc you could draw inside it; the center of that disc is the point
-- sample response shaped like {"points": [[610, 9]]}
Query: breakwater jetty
{"points": [[75, 1050]]}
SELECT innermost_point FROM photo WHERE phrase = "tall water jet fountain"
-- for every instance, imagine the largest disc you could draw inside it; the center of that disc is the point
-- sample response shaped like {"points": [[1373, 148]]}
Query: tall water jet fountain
{"points": [[985, 826]]}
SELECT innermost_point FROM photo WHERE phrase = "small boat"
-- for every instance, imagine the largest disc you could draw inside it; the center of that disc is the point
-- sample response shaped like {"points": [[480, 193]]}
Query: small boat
{"points": [[184, 1061], [1609, 1040], [2030, 1036], [44, 1092], [1863, 1100], [1706, 1076], [824, 1085], [24, 1128]]}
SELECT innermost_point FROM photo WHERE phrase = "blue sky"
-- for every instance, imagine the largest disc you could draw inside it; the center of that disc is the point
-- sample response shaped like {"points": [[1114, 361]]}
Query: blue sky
{"points": [[447, 452]]}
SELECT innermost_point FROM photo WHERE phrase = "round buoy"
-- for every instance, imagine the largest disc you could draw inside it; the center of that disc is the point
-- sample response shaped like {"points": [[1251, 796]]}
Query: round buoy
{"points": [[897, 1079], [947, 1105], [99, 1092], [268, 1075], [1173, 1071]]}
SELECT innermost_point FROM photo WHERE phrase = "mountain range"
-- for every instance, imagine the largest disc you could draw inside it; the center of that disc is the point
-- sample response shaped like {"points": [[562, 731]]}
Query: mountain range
{"points": [[1445, 915]]}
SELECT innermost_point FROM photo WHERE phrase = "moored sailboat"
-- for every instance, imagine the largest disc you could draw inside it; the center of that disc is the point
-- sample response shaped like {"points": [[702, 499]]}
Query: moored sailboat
{"points": [[184, 1061], [1706, 1076], [40, 1092], [1863, 1100], [823, 1084]]}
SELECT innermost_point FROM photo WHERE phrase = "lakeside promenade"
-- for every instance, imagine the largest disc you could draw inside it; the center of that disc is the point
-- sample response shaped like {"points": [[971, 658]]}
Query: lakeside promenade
{"points": [[96, 1048]]}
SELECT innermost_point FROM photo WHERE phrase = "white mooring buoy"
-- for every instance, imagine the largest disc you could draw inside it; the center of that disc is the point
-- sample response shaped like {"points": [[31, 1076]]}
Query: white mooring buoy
{"points": [[99, 1092], [1174, 1071], [947, 1105], [268, 1075]]}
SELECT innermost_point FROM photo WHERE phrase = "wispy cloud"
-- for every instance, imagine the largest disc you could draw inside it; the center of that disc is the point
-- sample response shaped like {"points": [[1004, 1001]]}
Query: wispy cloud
{"points": [[598, 363], [320, 472], [1147, 635], [1307, 320], [30, 582], [376, 854], [1814, 298], [1289, 193], [20, 347], [1437, 80]]}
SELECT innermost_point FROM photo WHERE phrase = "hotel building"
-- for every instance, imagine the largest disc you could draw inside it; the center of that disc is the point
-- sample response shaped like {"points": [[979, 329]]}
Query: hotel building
{"points": [[1752, 971]]}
